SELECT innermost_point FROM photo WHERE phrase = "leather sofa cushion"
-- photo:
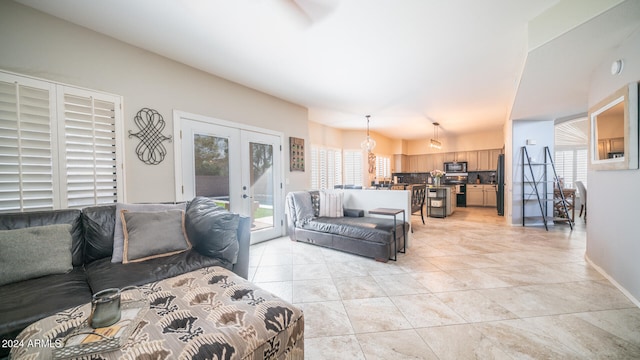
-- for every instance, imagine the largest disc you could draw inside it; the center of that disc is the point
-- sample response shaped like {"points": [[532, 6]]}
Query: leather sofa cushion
{"points": [[41, 218], [365, 228], [24, 302], [103, 274], [212, 229], [98, 223]]}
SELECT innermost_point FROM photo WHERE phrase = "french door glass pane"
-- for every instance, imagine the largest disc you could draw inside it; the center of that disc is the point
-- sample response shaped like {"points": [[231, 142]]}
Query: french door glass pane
{"points": [[211, 164], [262, 185]]}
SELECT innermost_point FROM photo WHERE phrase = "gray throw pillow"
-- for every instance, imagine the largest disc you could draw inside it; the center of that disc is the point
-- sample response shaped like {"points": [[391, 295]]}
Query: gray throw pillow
{"points": [[118, 234], [150, 235], [34, 252], [303, 207]]}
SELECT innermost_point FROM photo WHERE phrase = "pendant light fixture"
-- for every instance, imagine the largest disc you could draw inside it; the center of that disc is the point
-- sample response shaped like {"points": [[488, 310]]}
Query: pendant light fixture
{"points": [[435, 143], [369, 143]]}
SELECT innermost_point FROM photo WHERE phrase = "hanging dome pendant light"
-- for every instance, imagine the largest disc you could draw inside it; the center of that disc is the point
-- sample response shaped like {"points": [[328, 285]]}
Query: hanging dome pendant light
{"points": [[369, 144]]}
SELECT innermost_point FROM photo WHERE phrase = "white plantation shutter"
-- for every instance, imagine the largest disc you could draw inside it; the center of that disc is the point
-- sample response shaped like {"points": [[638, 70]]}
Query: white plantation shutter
{"points": [[571, 165], [315, 168], [326, 167], [383, 167], [58, 146], [353, 167], [337, 173], [581, 166], [26, 155], [90, 162]]}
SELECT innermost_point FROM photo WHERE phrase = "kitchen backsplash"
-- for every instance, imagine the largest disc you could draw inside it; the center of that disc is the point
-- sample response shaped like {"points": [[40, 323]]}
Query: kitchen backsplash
{"points": [[486, 177]]}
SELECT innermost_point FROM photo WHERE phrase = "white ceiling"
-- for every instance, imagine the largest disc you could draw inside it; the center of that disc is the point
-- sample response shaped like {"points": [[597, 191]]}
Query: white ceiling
{"points": [[462, 63]]}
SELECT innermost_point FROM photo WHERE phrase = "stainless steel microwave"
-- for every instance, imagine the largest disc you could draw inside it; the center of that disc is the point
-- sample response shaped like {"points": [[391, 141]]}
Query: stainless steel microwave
{"points": [[455, 167]]}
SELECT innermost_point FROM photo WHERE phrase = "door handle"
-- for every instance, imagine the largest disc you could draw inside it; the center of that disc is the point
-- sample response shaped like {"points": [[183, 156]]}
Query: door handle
{"points": [[244, 196]]}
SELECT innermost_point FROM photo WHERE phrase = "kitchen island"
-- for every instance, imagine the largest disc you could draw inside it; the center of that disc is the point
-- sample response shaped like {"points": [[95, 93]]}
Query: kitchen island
{"points": [[441, 200]]}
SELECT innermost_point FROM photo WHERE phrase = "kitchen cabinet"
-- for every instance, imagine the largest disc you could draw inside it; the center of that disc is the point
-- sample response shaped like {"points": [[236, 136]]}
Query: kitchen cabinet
{"points": [[481, 195], [607, 146], [455, 156], [461, 156], [475, 195], [401, 163], [450, 157], [490, 195], [413, 163], [418, 163], [453, 200], [477, 160], [436, 161], [483, 160], [472, 160], [493, 158]]}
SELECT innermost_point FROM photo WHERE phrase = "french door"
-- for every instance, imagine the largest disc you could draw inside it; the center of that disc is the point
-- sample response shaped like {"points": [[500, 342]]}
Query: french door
{"points": [[239, 168]]}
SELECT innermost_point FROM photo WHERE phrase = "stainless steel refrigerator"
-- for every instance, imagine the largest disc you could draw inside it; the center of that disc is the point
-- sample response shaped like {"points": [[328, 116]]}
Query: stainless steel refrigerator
{"points": [[500, 185]]}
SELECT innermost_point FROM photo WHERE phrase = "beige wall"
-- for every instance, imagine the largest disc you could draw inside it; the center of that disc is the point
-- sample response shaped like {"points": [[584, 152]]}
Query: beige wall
{"points": [[468, 142], [42, 46], [351, 139]]}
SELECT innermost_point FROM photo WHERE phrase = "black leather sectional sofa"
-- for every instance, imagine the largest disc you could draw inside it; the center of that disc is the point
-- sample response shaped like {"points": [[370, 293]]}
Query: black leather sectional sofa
{"points": [[354, 233], [92, 233]]}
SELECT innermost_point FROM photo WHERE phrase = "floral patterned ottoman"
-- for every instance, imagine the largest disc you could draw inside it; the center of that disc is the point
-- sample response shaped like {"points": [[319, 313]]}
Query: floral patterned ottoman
{"points": [[210, 313]]}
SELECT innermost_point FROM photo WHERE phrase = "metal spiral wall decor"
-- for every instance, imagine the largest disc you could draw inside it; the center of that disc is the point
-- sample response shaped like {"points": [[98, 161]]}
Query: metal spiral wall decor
{"points": [[150, 149]]}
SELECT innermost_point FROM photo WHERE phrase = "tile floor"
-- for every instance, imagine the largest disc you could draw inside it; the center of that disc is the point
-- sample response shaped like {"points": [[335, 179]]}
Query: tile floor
{"points": [[469, 287]]}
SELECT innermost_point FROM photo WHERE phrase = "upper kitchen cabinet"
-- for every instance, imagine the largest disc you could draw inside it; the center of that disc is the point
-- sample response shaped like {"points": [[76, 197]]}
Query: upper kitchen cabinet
{"points": [[401, 163], [472, 160], [462, 156], [450, 157], [418, 163], [435, 161], [493, 158], [483, 160], [479, 160], [455, 156]]}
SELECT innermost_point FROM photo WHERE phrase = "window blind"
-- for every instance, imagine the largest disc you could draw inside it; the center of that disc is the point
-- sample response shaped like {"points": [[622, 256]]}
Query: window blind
{"points": [[315, 168], [383, 167], [571, 165], [90, 148], [59, 145], [26, 158], [353, 167], [326, 167]]}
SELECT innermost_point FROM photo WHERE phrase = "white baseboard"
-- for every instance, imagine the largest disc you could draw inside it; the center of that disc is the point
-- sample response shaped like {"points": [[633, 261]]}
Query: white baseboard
{"points": [[626, 293]]}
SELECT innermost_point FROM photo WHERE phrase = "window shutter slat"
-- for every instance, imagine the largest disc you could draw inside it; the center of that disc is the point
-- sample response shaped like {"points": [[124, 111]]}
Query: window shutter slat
{"points": [[90, 150], [25, 147]]}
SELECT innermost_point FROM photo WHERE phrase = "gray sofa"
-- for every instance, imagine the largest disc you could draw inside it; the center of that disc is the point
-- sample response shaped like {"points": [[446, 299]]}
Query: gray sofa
{"points": [[90, 254], [354, 233]]}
